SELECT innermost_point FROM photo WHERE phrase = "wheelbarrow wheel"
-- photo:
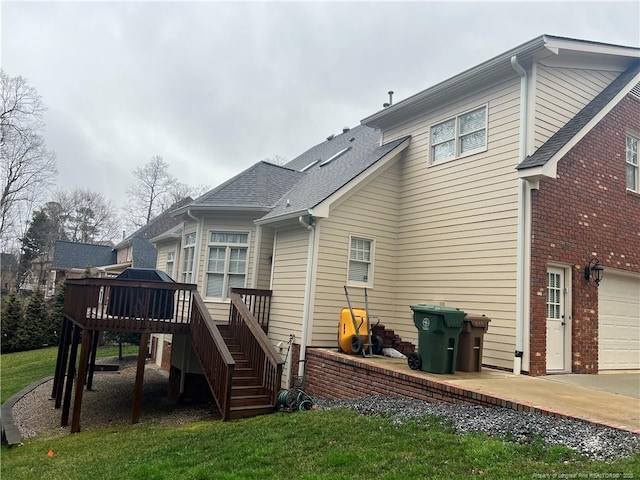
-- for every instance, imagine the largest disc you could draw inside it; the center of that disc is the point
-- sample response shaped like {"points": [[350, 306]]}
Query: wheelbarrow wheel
{"points": [[356, 344], [414, 361], [377, 343]]}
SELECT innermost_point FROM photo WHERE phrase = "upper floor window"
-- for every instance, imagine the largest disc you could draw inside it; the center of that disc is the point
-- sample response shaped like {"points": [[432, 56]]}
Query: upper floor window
{"points": [[633, 179], [227, 263], [188, 254], [459, 136], [360, 270], [171, 257]]}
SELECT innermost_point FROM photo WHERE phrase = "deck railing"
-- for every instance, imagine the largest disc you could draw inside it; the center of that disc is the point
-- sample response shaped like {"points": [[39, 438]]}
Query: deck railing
{"points": [[259, 304], [212, 352], [129, 305], [266, 362]]}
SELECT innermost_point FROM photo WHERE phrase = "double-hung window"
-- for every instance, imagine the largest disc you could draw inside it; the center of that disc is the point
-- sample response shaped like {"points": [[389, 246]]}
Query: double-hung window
{"points": [[188, 254], [360, 270], [171, 258], [456, 137], [227, 263], [633, 177]]}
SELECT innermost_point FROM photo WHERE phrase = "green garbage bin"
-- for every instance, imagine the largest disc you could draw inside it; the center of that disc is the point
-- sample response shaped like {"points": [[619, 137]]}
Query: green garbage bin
{"points": [[438, 331]]}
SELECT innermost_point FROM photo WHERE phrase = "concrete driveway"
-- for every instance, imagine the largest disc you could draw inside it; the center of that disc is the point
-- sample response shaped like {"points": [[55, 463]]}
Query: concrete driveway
{"points": [[625, 383]]}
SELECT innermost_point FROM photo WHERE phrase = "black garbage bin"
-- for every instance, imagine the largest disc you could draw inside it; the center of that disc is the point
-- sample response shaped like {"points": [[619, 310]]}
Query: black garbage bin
{"points": [[470, 343], [138, 301], [438, 330]]}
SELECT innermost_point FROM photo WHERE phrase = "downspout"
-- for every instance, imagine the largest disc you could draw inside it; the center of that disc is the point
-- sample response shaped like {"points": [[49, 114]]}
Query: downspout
{"points": [[306, 309], [520, 251]]}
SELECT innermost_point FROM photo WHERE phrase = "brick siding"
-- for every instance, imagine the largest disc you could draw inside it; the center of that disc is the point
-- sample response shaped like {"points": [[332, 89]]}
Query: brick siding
{"points": [[585, 212]]}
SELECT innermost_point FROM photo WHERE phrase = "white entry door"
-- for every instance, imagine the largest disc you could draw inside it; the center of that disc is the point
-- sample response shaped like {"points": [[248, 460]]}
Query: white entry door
{"points": [[556, 322]]}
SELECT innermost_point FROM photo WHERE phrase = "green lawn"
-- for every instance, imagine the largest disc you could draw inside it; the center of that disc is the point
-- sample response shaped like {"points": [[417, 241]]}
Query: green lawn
{"points": [[335, 444], [21, 369]]}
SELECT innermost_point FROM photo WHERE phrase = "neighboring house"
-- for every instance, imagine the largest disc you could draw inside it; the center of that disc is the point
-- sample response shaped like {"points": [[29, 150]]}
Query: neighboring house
{"points": [[71, 259], [490, 191]]}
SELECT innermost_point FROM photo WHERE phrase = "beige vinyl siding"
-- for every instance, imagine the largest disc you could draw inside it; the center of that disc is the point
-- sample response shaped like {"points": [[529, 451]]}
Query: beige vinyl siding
{"points": [[370, 212], [161, 260], [288, 286], [124, 255], [458, 222], [561, 93], [266, 252]]}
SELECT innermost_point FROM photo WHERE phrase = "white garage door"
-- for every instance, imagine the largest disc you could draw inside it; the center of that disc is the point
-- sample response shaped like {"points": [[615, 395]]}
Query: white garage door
{"points": [[619, 322]]}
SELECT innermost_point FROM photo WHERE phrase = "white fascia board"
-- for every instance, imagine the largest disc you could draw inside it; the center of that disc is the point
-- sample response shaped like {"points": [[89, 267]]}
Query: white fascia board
{"points": [[559, 44], [550, 169], [322, 209]]}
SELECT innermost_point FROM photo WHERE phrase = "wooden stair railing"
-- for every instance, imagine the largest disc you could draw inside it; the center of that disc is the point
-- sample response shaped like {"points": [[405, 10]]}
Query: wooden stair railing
{"points": [[262, 357], [259, 304], [214, 356]]}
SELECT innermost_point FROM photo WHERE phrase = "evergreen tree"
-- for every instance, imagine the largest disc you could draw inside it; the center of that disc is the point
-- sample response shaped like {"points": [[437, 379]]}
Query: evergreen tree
{"points": [[56, 317], [11, 319], [32, 331]]}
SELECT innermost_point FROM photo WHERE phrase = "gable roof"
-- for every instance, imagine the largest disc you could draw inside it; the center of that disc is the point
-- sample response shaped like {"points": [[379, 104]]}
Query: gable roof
{"points": [[79, 255], [499, 67], [329, 166], [575, 125], [257, 188]]}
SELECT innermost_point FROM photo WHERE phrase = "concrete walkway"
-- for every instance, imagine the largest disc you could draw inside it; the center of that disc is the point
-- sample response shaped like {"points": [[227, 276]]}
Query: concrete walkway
{"points": [[611, 399]]}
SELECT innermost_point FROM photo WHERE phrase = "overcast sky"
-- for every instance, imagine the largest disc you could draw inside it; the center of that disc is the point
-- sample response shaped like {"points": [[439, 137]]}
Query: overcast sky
{"points": [[214, 87]]}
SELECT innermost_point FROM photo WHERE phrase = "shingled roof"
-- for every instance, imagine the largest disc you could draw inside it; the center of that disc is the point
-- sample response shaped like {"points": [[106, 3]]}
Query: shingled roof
{"points": [[563, 136], [79, 255], [260, 187], [329, 166]]}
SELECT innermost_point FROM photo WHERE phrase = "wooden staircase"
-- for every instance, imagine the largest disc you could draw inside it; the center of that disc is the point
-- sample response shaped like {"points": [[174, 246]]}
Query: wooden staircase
{"points": [[248, 397], [241, 366]]}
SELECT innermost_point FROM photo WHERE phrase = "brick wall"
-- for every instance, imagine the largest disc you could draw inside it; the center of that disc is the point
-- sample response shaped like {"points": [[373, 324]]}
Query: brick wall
{"points": [[333, 375], [585, 212]]}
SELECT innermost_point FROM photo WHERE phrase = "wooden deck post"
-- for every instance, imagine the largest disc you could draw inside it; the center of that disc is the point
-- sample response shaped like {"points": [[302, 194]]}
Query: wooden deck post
{"points": [[80, 380], [64, 421], [92, 362], [61, 361], [137, 395]]}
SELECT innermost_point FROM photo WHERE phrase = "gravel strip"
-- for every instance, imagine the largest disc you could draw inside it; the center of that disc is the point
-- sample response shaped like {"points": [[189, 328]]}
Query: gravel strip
{"points": [[109, 403], [594, 441]]}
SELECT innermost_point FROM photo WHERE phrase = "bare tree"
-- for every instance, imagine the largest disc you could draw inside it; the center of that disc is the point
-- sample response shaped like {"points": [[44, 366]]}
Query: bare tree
{"points": [[276, 160], [27, 165], [152, 183], [85, 216]]}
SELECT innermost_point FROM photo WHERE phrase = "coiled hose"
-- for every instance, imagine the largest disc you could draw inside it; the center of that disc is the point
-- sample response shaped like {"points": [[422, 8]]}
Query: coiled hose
{"points": [[294, 399]]}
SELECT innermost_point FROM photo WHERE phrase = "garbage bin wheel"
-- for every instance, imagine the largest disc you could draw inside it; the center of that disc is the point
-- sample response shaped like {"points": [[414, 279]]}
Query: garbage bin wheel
{"points": [[356, 344], [377, 344], [414, 361]]}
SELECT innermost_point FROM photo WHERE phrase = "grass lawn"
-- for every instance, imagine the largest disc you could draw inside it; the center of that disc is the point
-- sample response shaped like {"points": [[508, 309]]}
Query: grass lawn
{"points": [[336, 444], [19, 370]]}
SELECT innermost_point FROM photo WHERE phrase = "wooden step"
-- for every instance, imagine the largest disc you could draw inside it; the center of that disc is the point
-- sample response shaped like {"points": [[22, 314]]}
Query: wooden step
{"points": [[248, 400], [243, 381], [243, 372], [251, 411], [247, 390]]}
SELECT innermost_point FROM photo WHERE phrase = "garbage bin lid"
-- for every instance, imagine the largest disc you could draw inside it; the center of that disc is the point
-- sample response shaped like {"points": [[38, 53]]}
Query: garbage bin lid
{"points": [[477, 320], [423, 307]]}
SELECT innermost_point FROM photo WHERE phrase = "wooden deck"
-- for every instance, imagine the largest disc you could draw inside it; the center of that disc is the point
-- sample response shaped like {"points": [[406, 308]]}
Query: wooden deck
{"points": [[243, 383]]}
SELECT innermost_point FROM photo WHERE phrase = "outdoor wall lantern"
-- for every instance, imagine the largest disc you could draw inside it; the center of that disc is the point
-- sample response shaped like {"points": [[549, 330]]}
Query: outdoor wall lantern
{"points": [[593, 271]]}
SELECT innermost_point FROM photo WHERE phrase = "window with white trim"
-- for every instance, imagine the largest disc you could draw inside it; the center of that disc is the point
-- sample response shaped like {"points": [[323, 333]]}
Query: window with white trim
{"points": [[633, 175], [360, 270], [188, 254], [460, 136], [226, 263], [171, 258]]}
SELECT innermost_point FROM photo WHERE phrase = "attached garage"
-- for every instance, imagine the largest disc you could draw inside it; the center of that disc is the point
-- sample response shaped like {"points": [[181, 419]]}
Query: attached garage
{"points": [[619, 322]]}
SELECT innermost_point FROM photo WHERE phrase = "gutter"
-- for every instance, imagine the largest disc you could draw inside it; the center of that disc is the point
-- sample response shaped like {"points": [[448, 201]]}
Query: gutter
{"points": [[520, 250], [306, 309]]}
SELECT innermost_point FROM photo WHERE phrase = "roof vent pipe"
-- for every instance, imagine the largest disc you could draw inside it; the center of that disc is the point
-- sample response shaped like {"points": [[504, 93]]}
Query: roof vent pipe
{"points": [[345, 129], [385, 105]]}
